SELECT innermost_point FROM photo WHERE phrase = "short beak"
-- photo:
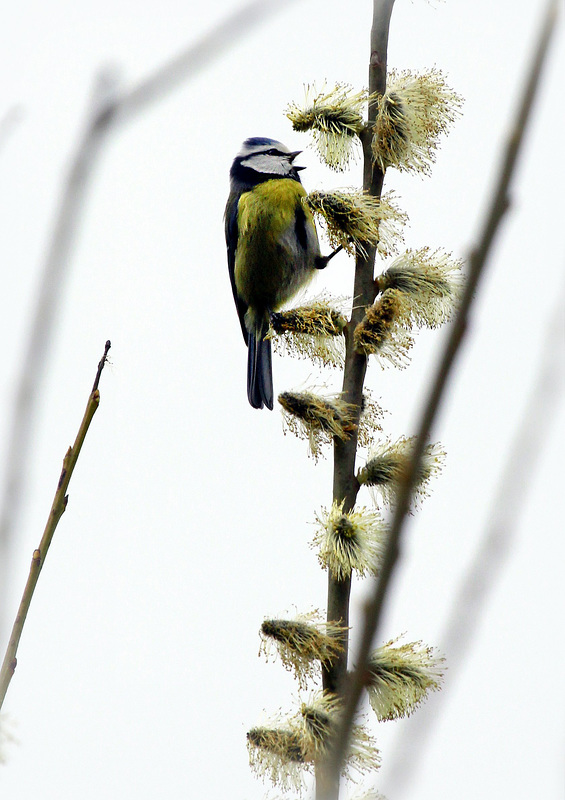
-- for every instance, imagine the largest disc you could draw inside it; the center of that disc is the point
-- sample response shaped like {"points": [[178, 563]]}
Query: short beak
{"points": [[292, 156]]}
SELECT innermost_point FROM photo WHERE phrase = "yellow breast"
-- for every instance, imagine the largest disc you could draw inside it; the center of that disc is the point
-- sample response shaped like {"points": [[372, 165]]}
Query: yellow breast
{"points": [[269, 208]]}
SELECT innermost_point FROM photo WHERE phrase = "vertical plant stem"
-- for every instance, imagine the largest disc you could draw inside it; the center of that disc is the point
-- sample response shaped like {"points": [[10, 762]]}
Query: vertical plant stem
{"points": [[345, 484], [57, 510]]}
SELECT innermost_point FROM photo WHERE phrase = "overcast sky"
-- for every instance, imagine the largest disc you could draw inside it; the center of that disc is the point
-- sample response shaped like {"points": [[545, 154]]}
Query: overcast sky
{"points": [[190, 513]]}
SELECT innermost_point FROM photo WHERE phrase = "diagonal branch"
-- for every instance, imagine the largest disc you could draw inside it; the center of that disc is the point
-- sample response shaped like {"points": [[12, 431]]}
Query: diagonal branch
{"points": [[492, 553], [192, 60], [477, 260], [57, 510]]}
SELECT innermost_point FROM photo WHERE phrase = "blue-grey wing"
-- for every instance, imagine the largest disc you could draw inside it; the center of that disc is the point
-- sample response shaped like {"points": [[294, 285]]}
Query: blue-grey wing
{"points": [[231, 243]]}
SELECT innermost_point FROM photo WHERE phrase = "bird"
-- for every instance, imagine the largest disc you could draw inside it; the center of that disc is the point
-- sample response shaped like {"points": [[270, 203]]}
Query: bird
{"points": [[272, 248]]}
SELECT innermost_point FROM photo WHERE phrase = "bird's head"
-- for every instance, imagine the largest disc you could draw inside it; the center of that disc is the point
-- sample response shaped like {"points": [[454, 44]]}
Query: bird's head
{"points": [[261, 159]]}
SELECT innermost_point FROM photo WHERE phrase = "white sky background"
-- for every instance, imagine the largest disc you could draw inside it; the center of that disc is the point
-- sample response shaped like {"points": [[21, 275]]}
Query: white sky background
{"points": [[190, 513]]}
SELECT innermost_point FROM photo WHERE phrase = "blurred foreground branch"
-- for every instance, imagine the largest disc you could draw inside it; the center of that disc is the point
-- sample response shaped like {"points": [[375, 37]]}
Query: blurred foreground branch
{"points": [[8, 122], [57, 510], [477, 260], [188, 63], [107, 108], [507, 506]]}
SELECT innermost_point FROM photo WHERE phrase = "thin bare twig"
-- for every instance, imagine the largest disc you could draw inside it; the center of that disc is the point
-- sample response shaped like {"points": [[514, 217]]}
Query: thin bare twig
{"points": [[43, 322], [57, 510], [477, 260]]}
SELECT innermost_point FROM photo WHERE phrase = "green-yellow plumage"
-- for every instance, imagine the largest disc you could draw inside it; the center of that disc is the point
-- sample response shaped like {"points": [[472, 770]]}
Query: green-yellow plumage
{"points": [[270, 265], [272, 248]]}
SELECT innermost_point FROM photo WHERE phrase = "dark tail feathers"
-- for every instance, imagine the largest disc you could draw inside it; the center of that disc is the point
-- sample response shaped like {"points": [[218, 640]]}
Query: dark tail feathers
{"points": [[259, 371]]}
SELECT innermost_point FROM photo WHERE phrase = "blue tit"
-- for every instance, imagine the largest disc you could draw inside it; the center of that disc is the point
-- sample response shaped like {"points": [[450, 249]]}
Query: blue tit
{"points": [[272, 245]]}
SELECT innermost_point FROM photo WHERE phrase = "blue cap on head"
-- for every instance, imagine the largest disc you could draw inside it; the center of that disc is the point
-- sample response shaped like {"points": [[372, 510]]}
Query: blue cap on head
{"points": [[255, 141], [257, 144]]}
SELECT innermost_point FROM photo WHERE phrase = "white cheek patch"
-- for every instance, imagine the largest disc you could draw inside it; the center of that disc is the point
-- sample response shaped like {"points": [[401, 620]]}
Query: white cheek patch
{"points": [[272, 165]]}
